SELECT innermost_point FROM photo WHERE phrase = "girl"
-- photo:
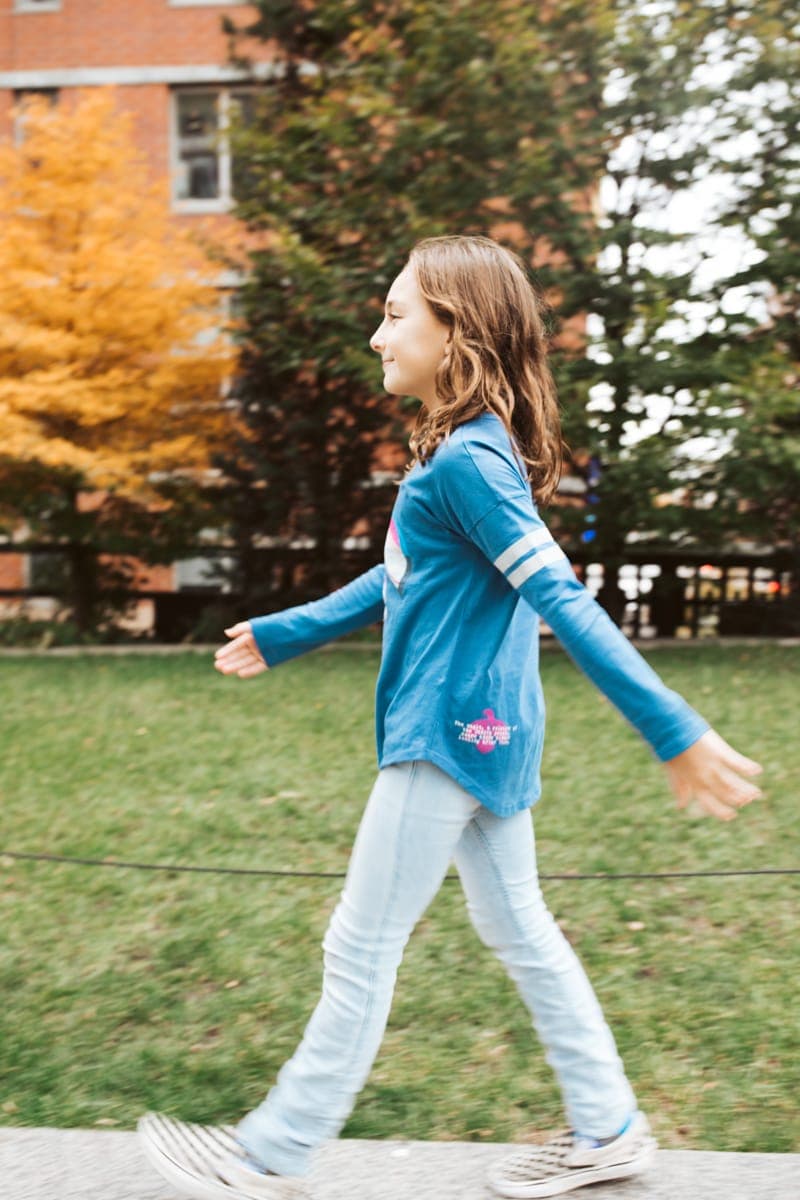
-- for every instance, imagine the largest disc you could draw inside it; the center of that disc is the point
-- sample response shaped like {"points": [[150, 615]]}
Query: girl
{"points": [[469, 568]]}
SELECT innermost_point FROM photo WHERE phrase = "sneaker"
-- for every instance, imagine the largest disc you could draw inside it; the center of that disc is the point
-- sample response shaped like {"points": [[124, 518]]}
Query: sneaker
{"points": [[568, 1161], [206, 1162]]}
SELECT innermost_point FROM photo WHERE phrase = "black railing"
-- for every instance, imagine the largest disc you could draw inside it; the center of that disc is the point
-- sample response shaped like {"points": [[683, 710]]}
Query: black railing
{"points": [[665, 592], [658, 592]]}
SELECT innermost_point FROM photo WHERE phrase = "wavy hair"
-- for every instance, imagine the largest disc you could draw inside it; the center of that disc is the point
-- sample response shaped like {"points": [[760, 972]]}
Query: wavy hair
{"points": [[497, 359]]}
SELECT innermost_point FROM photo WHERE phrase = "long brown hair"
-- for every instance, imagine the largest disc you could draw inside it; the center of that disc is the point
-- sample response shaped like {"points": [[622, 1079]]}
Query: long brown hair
{"points": [[497, 358]]}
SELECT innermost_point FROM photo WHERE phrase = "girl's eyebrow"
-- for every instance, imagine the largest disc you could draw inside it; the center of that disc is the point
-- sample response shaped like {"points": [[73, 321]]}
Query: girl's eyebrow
{"points": [[392, 303]]}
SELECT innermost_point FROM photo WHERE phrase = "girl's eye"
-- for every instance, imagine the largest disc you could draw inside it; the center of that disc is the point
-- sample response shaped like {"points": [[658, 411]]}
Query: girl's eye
{"points": [[392, 316]]}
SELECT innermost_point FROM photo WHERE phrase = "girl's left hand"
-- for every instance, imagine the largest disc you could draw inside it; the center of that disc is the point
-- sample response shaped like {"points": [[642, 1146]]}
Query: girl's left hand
{"points": [[710, 772]]}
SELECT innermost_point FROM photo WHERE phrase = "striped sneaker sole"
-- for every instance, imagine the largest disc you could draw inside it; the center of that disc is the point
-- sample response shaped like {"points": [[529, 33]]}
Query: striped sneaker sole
{"points": [[203, 1162], [541, 1171]]}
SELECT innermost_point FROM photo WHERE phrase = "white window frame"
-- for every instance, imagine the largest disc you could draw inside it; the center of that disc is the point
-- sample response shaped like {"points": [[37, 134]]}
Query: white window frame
{"points": [[225, 200], [19, 97], [32, 6]]}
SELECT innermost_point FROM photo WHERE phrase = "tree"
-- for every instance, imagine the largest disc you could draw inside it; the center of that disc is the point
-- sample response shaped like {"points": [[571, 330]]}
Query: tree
{"points": [[691, 394], [757, 483], [383, 123], [112, 359], [564, 131]]}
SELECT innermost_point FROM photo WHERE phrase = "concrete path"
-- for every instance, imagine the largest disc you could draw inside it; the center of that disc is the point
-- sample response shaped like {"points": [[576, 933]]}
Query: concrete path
{"points": [[74, 1164]]}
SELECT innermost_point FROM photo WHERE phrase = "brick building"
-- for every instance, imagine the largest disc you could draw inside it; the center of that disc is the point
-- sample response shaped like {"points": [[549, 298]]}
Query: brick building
{"points": [[168, 61], [167, 58]]}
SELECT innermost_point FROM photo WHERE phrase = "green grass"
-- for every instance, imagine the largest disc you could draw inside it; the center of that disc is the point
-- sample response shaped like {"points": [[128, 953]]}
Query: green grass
{"points": [[124, 990]]}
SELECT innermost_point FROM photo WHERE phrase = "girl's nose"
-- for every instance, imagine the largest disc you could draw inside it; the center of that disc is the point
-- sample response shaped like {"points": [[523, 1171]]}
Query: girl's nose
{"points": [[376, 341]]}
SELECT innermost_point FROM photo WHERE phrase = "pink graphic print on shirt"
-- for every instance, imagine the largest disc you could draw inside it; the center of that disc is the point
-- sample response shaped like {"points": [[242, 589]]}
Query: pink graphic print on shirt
{"points": [[485, 734], [394, 559]]}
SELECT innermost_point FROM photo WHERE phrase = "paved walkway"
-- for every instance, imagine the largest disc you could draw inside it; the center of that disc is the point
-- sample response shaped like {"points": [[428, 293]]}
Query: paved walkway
{"points": [[74, 1164]]}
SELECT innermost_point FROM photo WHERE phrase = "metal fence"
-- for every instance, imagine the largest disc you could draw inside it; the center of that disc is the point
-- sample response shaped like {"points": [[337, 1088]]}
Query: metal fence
{"points": [[690, 593]]}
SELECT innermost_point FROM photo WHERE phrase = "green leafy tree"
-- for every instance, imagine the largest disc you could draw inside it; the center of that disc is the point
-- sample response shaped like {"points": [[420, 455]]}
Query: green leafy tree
{"points": [[391, 121], [757, 483], [386, 123], [686, 391]]}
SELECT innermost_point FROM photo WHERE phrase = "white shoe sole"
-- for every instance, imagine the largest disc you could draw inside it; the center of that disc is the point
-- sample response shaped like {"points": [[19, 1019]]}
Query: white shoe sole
{"points": [[157, 1138], [578, 1177]]}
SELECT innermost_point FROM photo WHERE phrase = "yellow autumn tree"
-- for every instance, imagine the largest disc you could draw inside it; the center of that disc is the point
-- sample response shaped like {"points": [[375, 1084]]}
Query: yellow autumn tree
{"points": [[112, 357]]}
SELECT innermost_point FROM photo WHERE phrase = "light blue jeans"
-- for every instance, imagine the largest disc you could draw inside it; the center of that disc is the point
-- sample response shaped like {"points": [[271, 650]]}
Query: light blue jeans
{"points": [[417, 821]]}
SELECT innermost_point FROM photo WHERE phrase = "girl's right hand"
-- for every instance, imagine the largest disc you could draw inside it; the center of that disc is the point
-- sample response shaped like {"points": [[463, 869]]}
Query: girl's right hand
{"points": [[241, 656]]}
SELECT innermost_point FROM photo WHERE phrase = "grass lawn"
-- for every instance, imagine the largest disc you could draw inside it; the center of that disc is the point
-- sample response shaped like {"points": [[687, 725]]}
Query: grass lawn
{"points": [[125, 990]]}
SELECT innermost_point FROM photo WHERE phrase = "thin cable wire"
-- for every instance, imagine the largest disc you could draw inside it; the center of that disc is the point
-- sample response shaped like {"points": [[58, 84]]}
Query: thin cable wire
{"points": [[284, 874]]}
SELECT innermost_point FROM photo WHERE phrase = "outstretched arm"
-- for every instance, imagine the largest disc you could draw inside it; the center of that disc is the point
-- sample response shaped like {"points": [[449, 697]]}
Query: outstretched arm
{"points": [[700, 765], [486, 498]]}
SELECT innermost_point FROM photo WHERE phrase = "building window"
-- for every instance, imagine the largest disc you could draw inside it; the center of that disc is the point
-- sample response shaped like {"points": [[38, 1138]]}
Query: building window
{"points": [[202, 163], [22, 98], [207, 574]]}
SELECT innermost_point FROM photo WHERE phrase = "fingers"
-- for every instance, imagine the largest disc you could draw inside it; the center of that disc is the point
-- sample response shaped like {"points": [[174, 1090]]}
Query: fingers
{"points": [[745, 766], [240, 644], [241, 659], [732, 758], [716, 806], [240, 656], [737, 791], [707, 796], [240, 628], [253, 669], [721, 796], [232, 664], [245, 669]]}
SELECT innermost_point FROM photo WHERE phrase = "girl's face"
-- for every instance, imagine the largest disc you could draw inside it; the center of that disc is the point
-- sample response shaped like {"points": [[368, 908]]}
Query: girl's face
{"points": [[411, 341]]}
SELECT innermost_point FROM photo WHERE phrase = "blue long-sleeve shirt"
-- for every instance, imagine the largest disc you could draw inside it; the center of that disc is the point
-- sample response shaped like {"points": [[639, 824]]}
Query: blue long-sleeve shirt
{"points": [[469, 567]]}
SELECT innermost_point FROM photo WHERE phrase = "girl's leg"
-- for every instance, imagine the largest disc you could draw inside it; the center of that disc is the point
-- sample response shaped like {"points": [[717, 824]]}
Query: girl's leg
{"points": [[413, 821], [496, 859]]}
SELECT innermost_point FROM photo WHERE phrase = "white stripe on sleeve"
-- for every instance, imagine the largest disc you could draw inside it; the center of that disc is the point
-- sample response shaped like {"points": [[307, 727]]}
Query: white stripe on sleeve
{"points": [[537, 537], [535, 563]]}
